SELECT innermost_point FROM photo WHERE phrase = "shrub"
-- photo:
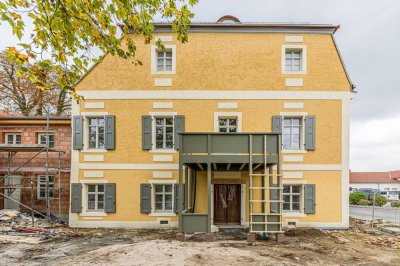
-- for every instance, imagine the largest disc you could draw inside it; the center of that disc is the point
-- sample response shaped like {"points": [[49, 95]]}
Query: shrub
{"points": [[364, 202], [355, 197], [395, 204], [380, 200]]}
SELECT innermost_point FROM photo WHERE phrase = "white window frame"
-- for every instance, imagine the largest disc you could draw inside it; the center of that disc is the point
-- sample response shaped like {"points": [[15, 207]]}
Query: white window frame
{"points": [[154, 115], [45, 136], [14, 134], [222, 115], [86, 116], [303, 64], [164, 132], [154, 50], [228, 127], [300, 126], [172, 193], [41, 185], [302, 116], [291, 194], [96, 193]]}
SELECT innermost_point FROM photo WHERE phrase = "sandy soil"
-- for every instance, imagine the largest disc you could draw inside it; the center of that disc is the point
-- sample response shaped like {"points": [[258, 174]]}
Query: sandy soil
{"points": [[131, 247]]}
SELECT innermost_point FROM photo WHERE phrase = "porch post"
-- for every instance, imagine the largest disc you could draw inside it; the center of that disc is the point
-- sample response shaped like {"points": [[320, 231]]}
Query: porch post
{"points": [[209, 197], [180, 186], [186, 194]]}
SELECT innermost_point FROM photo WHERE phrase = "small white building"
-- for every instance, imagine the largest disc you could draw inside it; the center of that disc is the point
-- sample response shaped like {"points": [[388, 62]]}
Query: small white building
{"points": [[384, 181]]}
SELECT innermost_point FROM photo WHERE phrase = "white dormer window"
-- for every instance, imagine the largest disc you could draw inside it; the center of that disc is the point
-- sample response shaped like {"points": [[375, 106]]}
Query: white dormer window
{"points": [[294, 59], [163, 61]]}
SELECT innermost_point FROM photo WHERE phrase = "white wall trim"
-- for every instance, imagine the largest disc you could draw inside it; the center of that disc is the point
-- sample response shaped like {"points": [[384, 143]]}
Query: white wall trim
{"points": [[294, 82], [153, 181], [292, 174], [164, 38], [163, 105], [303, 49], [163, 158], [73, 217], [154, 59], [86, 116], [94, 105], [345, 160], [163, 82], [326, 225], [294, 182], [90, 174], [162, 174], [228, 114], [312, 167], [293, 158], [294, 38], [293, 114], [292, 105], [233, 105], [294, 214], [127, 166], [94, 114], [97, 181], [93, 158], [214, 95]]}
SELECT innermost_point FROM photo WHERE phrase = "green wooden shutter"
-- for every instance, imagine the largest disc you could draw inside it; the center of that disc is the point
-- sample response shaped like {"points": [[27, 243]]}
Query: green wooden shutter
{"points": [[309, 199], [77, 137], [176, 195], [109, 132], [310, 133], [146, 132], [276, 124], [110, 198], [179, 127], [145, 198], [76, 197], [274, 195]]}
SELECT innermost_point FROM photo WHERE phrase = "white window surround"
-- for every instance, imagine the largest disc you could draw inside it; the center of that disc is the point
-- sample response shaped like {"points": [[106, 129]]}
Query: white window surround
{"points": [[303, 49], [154, 50], [237, 115], [86, 117], [14, 138], [44, 135], [85, 211], [291, 194], [153, 129], [161, 182], [302, 115]]}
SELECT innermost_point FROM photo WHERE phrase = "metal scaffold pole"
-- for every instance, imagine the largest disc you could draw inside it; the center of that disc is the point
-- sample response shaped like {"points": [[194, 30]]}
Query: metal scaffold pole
{"points": [[47, 167]]}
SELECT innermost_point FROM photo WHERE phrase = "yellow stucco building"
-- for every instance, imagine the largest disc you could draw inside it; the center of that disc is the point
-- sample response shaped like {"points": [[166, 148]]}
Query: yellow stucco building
{"points": [[252, 118]]}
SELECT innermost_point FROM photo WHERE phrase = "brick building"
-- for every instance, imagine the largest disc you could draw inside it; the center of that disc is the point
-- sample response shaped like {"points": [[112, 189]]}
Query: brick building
{"points": [[23, 172]]}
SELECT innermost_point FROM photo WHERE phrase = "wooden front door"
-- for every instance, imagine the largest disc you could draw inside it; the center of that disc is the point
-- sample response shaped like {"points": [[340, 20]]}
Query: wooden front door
{"points": [[226, 204]]}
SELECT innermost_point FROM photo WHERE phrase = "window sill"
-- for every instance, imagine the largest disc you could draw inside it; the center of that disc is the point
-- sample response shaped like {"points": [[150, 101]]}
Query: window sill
{"points": [[163, 151], [95, 151], [164, 73], [294, 151], [93, 214], [156, 214], [294, 214], [294, 72]]}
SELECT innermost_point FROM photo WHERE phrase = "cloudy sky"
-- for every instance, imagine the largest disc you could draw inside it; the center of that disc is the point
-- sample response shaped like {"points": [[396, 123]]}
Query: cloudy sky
{"points": [[369, 40]]}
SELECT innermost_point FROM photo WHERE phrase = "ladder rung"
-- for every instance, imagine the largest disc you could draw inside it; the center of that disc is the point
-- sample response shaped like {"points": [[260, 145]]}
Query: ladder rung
{"points": [[266, 223]]}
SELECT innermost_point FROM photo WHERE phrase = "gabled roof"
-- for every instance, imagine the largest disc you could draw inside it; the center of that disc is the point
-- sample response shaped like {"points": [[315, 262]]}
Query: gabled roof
{"points": [[375, 177]]}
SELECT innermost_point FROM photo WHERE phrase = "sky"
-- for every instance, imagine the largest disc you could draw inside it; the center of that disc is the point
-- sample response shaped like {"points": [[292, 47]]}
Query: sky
{"points": [[369, 41]]}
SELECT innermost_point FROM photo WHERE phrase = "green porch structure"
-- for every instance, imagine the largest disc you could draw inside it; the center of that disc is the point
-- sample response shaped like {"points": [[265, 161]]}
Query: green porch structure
{"points": [[258, 154]]}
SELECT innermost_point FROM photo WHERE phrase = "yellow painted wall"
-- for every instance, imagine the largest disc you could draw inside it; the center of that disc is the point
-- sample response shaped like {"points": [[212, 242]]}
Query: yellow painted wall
{"points": [[222, 61], [199, 117]]}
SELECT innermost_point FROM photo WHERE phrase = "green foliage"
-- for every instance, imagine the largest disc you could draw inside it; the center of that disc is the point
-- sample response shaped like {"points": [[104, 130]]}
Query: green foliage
{"points": [[355, 197], [67, 33], [380, 200], [395, 204], [364, 202]]}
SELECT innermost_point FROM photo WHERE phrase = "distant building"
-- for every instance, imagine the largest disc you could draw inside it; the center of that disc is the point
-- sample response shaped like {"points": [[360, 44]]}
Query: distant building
{"points": [[23, 159], [384, 181]]}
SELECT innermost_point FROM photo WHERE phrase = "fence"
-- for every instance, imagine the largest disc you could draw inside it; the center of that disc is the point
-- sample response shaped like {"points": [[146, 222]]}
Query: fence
{"points": [[370, 213]]}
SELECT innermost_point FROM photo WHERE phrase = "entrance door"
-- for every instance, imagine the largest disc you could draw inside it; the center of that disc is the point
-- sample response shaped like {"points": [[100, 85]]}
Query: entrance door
{"points": [[16, 194], [226, 204]]}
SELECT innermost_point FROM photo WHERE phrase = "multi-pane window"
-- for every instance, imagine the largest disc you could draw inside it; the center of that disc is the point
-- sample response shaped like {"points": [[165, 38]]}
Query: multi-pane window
{"points": [[163, 198], [227, 124], [95, 197], [96, 133], [291, 198], [42, 139], [164, 60], [13, 138], [164, 132], [42, 186], [293, 60], [291, 133]]}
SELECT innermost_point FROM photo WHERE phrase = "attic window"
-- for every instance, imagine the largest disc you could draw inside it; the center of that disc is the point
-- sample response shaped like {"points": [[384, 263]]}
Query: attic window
{"points": [[228, 19]]}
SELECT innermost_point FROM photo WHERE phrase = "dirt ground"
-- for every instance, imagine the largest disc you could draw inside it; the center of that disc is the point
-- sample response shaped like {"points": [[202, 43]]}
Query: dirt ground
{"points": [[356, 246]]}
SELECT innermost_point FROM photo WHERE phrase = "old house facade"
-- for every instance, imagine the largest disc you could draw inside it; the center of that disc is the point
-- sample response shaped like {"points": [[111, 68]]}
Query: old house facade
{"points": [[247, 124], [24, 177]]}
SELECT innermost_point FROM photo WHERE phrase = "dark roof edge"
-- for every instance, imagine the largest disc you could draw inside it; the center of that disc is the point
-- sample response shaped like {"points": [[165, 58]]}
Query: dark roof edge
{"points": [[44, 118]]}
